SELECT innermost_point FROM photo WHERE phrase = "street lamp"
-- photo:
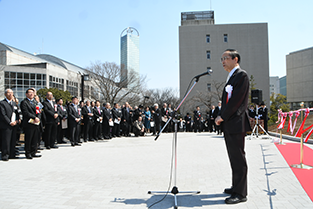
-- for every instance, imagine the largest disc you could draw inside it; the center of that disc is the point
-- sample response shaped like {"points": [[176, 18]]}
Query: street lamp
{"points": [[84, 77]]}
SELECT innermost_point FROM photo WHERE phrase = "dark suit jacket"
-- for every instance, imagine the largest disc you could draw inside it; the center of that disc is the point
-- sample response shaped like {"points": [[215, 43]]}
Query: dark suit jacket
{"points": [[196, 116], [72, 115], [6, 111], [157, 116], [62, 113], [126, 115], [116, 113], [235, 113], [107, 114], [97, 114], [49, 112], [85, 112], [29, 112]]}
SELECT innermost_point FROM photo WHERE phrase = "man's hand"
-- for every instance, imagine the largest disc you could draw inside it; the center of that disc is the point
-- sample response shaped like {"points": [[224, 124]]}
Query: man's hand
{"points": [[218, 120], [37, 120], [13, 123], [55, 116]]}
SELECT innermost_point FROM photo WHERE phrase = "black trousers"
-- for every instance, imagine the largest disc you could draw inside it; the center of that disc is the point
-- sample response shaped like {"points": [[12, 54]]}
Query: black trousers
{"points": [[8, 136], [106, 129], [50, 134], [212, 125], [74, 132], [235, 144], [97, 130], [197, 126], [116, 129], [87, 125], [60, 133], [31, 139], [126, 126]]}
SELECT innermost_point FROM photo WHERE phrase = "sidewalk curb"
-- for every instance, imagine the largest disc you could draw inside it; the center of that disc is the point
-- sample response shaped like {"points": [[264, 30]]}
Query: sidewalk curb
{"points": [[291, 138]]}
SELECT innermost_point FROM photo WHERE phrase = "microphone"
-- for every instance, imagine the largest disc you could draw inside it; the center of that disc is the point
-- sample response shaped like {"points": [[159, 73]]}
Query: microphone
{"points": [[206, 73]]}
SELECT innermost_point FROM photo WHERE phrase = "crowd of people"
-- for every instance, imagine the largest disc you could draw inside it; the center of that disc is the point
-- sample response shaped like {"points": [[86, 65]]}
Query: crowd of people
{"points": [[52, 121]]}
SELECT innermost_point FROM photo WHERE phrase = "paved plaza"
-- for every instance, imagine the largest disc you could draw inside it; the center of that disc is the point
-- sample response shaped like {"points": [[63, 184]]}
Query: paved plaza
{"points": [[118, 173]]}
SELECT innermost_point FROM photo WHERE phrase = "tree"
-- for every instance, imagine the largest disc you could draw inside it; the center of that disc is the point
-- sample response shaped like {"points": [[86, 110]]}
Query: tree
{"points": [[160, 96], [57, 93], [207, 98], [278, 102], [107, 84]]}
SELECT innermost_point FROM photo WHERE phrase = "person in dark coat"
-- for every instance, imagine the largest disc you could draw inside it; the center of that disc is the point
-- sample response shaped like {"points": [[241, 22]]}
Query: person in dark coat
{"points": [[74, 120], [87, 113], [52, 120], [31, 120], [126, 120], [107, 121], [157, 119], [263, 112], [9, 120], [62, 115], [117, 115], [188, 122], [217, 112], [197, 120], [234, 116]]}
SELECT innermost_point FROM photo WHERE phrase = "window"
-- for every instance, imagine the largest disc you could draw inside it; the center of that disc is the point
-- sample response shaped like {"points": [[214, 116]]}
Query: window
{"points": [[209, 87], [208, 40], [225, 38], [208, 55]]}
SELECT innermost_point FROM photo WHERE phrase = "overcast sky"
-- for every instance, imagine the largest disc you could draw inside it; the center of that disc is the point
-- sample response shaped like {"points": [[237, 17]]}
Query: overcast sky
{"points": [[82, 32]]}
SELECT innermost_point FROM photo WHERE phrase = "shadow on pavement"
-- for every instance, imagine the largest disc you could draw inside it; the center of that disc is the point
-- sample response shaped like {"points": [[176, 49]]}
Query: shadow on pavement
{"points": [[194, 200]]}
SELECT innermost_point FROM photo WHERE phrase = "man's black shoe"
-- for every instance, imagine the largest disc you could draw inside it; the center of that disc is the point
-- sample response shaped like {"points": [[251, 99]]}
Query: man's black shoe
{"points": [[54, 147], [234, 199], [47, 147], [5, 158], [28, 156], [228, 190], [77, 144], [36, 155]]}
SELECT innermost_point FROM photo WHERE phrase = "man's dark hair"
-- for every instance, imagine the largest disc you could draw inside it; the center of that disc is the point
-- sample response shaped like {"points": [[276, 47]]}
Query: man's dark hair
{"points": [[29, 89], [233, 53]]}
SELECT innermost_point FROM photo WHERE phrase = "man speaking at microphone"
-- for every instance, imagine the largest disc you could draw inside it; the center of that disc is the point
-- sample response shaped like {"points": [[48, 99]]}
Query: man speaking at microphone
{"points": [[234, 117]]}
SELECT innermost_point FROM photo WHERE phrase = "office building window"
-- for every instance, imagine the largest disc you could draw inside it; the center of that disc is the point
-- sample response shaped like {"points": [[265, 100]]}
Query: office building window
{"points": [[72, 87], [209, 87], [208, 40], [19, 82], [55, 82], [208, 55], [225, 38]]}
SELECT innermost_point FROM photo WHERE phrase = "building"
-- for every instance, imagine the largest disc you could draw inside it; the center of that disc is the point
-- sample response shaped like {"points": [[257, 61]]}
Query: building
{"points": [[283, 86], [300, 78], [202, 42], [129, 52], [274, 85], [20, 70]]}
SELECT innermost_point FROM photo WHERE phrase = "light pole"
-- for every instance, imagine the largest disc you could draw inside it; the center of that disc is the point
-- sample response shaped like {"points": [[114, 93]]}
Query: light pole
{"points": [[84, 77], [144, 101]]}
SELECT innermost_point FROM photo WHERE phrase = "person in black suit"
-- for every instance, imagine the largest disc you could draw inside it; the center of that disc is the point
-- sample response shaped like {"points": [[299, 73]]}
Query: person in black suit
{"points": [[31, 120], [117, 115], [212, 126], [217, 112], [197, 120], [87, 113], [97, 112], [263, 114], [50, 109], [164, 117], [157, 119], [74, 118], [107, 119], [188, 122], [234, 116], [9, 119], [62, 116], [126, 119]]}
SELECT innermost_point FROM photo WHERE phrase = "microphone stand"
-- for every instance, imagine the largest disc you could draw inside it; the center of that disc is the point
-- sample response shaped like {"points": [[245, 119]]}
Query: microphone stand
{"points": [[174, 190]]}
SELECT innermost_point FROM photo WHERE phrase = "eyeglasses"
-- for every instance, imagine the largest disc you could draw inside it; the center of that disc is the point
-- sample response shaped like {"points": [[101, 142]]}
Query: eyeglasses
{"points": [[224, 58]]}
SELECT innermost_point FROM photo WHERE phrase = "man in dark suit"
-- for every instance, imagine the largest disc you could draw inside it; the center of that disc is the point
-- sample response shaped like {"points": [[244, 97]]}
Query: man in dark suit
{"points": [[164, 117], [234, 116], [188, 122], [31, 120], [87, 113], [74, 117], [217, 112], [157, 118], [107, 119], [117, 115], [62, 115], [196, 119], [9, 119], [50, 109], [126, 119], [212, 126], [97, 112], [263, 114]]}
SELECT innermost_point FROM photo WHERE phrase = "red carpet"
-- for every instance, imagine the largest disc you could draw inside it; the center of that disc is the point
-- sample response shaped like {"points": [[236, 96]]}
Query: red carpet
{"points": [[291, 153]]}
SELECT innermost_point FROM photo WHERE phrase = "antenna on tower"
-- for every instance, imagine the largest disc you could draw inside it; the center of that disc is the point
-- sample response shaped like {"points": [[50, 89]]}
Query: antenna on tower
{"points": [[211, 5]]}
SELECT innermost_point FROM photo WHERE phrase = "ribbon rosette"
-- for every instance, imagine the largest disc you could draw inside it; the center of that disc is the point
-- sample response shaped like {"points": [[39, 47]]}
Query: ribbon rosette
{"points": [[229, 90]]}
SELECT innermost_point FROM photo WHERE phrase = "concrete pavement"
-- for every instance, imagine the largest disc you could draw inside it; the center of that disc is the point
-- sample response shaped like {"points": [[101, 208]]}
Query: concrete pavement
{"points": [[118, 173]]}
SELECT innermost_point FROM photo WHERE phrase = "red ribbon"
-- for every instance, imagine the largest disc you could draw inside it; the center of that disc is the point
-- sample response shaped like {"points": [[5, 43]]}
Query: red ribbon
{"points": [[37, 110]]}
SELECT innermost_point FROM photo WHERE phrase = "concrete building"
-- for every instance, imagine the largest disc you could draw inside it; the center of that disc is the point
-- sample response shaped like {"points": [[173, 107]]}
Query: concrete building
{"points": [[283, 86], [274, 85], [202, 42], [129, 52], [20, 70], [300, 78]]}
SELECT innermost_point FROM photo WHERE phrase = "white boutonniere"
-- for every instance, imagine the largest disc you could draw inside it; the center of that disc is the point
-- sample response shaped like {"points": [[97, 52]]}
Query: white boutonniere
{"points": [[229, 90]]}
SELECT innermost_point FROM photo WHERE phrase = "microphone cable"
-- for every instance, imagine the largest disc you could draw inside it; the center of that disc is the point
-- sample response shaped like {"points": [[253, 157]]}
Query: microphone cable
{"points": [[171, 175]]}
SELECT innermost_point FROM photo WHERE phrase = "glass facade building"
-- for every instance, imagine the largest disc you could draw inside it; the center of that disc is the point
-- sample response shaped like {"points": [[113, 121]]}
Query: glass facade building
{"points": [[129, 52]]}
